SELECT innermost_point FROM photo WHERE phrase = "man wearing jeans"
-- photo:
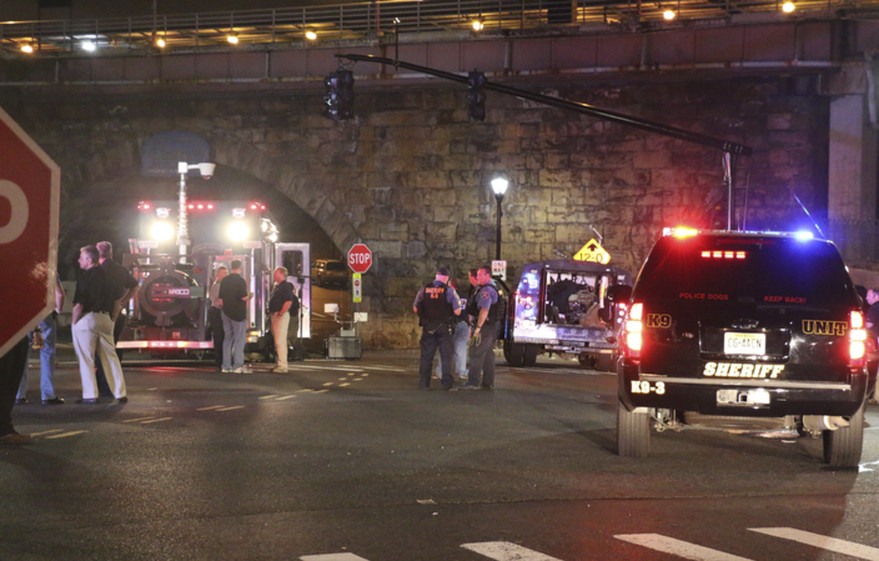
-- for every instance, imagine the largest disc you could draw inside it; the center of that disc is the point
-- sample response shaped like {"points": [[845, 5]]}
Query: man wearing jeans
{"points": [[233, 300]]}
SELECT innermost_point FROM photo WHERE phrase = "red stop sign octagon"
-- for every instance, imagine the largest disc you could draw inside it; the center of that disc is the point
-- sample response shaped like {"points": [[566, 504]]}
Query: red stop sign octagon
{"points": [[30, 186], [359, 258]]}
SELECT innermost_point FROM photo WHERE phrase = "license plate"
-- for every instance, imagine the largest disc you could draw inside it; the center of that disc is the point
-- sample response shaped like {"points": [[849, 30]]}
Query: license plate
{"points": [[744, 343], [758, 396]]}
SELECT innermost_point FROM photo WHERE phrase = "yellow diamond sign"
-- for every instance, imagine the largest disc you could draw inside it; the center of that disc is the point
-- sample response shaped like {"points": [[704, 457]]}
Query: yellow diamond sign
{"points": [[593, 251]]}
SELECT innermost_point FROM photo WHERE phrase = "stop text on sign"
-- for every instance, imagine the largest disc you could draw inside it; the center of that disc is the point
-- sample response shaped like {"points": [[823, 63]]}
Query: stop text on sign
{"points": [[18, 213]]}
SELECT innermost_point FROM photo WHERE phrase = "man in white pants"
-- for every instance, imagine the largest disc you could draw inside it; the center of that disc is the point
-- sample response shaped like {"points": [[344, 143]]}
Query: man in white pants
{"points": [[279, 307], [93, 308]]}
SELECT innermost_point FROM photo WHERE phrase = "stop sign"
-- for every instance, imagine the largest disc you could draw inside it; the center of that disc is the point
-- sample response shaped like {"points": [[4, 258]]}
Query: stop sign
{"points": [[30, 187], [359, 258]]}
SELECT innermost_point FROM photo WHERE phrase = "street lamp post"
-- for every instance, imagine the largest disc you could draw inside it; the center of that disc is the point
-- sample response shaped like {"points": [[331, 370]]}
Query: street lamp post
{"points": [[499, 186], [206, 170]]}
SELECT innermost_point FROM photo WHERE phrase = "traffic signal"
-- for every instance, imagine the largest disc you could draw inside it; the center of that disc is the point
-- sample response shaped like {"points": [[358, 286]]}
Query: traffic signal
{"points": [[340, 95], [476, 96]]}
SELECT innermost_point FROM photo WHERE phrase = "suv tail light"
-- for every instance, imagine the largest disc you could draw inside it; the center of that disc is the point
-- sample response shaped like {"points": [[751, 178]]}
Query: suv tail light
{"points": [[633, 330], [857, 340]]}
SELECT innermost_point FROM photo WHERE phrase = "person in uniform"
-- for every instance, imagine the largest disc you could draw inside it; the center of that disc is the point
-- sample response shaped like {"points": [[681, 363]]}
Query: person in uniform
{"points": [[436, 305], [280, 304], [484, 306]]}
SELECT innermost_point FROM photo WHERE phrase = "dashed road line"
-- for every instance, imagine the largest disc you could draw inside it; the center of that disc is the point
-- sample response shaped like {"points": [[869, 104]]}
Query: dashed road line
{"points": [[230, 408], [824, 542], [65, 434], [158, 420], [210, 408], [139, 419], [45, 432]]}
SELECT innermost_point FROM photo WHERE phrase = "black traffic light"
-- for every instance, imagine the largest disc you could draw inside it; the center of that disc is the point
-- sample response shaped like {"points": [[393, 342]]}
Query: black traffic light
{"points": [[476, 96], [340, 95]]}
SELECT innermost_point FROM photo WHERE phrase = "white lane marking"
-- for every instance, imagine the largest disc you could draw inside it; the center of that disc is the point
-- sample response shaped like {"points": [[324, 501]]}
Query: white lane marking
{"points": [[824, 542], [45, 432], [333, 557], [680, 548], [231, 408], [507, 551], [210, 408]]}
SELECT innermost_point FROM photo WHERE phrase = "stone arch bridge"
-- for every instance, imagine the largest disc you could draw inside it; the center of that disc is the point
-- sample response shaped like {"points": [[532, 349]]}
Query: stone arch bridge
{"points": [[409, 174]]}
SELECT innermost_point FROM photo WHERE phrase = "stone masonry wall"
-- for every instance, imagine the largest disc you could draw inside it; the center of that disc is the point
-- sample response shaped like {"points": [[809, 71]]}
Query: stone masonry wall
{"points": [[410, 174]]}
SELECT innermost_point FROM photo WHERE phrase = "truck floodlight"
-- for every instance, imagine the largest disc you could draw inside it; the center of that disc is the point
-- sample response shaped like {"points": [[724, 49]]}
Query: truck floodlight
{"points": [[238, 231], [162, 231]]}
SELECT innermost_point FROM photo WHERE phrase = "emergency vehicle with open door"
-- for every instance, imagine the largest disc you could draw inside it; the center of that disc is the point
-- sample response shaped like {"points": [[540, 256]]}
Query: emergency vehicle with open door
{"points": [[566, 307], [169, 313]]}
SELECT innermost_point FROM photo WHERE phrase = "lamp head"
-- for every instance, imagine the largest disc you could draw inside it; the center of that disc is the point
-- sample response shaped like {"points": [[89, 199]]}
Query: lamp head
{"points": [[499, 186]]}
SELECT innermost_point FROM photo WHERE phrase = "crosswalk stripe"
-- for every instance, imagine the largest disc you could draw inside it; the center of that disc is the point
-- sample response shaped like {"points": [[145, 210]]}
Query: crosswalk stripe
{"points": [[680, 548], [507, 551], [824, 542], [333, 557]]}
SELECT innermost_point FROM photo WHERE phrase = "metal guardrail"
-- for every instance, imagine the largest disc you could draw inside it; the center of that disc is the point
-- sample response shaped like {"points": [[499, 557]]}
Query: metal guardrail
{"points": [[364, 23]]}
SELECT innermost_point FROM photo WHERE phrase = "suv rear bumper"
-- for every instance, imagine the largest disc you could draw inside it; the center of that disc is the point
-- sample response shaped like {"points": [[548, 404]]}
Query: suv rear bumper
{"points": [[701, 395]]}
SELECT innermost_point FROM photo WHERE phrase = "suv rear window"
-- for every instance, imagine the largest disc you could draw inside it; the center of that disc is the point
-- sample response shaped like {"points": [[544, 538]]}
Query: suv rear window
{"points": [[742, 270], [335, 266]]}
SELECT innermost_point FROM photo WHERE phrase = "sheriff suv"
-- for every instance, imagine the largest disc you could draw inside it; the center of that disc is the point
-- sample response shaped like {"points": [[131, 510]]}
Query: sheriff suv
{"points": [[743, 331]]}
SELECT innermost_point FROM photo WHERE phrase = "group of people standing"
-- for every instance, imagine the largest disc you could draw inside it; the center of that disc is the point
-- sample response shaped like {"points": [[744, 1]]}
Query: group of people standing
{"points": [[227, 316], [450, 323]]}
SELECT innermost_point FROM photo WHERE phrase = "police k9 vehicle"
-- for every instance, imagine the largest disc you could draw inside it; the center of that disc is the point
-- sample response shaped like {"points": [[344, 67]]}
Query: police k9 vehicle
{"points": [[743, 331]]}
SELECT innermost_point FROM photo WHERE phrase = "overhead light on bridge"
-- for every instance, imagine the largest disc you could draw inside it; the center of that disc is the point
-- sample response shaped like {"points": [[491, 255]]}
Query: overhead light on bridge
{"points": [[669, 15], [478, 25], [232, 39], [27, 48], [160, 43], [89, 46], [788, 7], [311, 35]]}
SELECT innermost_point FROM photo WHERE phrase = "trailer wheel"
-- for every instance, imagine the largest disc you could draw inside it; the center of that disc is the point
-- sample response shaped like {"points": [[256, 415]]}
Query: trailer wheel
{"points": [[530, 355], [633, 432], [842, 447], [514, 353]]}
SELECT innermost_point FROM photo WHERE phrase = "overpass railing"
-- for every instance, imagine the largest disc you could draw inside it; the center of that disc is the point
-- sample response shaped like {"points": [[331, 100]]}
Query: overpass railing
{"points": [[369, 22]]}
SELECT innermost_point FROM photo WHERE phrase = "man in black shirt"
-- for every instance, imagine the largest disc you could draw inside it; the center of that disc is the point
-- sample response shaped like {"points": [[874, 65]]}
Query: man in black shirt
{"points": [[93, 304], [280, 303], [125, 285], [233, 300]]}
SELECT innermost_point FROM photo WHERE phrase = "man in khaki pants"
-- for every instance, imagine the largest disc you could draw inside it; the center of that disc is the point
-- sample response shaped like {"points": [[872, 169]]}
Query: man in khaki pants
{"points": [[279, 308]]}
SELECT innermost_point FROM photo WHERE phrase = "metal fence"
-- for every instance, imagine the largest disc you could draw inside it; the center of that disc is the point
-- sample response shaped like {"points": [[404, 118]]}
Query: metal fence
{"points": [[375, 21]]}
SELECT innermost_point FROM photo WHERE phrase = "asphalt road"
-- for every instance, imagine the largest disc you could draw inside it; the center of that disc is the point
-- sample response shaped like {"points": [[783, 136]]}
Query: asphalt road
{"points": [[346, 460]]}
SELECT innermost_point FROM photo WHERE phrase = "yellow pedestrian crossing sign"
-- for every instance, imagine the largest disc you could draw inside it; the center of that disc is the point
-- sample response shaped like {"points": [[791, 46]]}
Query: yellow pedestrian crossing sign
{"points": [[593, 251]]}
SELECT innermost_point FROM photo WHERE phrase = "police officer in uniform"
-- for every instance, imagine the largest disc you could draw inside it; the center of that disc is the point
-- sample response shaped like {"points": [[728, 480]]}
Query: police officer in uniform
{"points": [[485, 307], [436, 305]]}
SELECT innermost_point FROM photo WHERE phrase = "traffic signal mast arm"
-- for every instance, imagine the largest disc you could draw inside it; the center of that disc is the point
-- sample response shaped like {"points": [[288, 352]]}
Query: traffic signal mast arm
{"points": [[726, 146]]}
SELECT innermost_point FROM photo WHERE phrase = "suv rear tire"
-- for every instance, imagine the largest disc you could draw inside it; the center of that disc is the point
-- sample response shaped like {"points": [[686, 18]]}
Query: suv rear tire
{"points": [[842, 447], [633, 432]]}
